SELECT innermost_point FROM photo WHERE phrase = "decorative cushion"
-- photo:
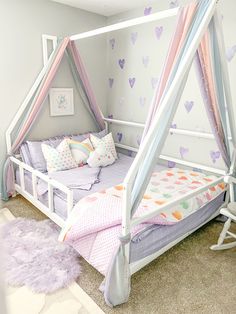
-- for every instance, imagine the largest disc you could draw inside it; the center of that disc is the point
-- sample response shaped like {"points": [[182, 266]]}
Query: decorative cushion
{"points": [[80, 150], [36, 157], [107, 140], [25, 154], [31, 151], [100, 157], [59, 158]]}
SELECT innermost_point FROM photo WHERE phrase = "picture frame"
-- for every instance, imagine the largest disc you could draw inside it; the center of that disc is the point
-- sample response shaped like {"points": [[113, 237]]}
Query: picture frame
{"points": [[61, 102]]}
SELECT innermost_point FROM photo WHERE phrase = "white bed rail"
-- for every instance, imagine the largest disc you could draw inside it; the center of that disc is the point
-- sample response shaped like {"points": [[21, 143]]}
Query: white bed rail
{"points": [[172, 130], [169, 158], [145, 217], [52, 184]]}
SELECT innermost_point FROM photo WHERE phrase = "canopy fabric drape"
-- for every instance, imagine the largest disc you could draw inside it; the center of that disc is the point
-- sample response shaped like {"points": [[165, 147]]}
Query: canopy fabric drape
{"points": [[117, 284], [210, 77], [95, 109], [183, 23], [38, 102]]}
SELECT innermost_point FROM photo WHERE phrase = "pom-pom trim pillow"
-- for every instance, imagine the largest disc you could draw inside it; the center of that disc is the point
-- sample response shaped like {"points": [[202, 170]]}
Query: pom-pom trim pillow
{"points": [[100, 157], [107, 141], [59, 158]]}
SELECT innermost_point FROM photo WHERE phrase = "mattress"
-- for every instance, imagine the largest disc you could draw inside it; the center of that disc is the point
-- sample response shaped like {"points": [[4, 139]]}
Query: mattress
{"points": [[155, 237], [98, 248], [109, 176]]}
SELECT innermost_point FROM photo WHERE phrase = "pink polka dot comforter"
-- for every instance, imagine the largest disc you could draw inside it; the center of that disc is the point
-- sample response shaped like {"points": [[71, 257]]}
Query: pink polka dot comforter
{"points": [[95, 222]]}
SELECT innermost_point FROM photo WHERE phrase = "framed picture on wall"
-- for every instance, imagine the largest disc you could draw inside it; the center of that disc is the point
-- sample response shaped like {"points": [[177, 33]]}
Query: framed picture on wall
{"points": [[61, 101]]}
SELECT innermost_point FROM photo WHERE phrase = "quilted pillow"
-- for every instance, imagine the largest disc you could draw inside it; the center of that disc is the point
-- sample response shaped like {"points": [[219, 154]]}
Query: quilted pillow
{"points": [[107, 141], [59, 158], [80, 150], [100, 157]]}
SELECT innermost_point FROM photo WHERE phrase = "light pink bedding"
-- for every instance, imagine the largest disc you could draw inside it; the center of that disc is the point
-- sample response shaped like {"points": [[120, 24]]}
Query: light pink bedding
{"points": [[95, 223]]}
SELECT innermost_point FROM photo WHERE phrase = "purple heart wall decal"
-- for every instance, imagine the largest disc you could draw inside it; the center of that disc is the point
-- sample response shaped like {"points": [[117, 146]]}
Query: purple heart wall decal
{"points": [[147, 11], [133, 37], [158, 31], [142, 101], [122, 100], [111, 81], [214, 156], [138, 140], [174, 4], [173, 126], [112, 42], [130, 153], [132, 81], [171, 164], [145, 60], [183, 151], [230, 53], [121, 63], [154, 81], [188, 105], [119, 136]]}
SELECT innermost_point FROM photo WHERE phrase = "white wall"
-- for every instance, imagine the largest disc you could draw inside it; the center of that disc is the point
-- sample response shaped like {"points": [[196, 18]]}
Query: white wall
{"points": [[144, 49], [22, 24]]}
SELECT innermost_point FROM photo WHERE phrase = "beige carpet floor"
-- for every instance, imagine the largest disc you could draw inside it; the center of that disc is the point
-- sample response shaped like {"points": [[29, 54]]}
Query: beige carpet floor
{"points": [[189, 278]]}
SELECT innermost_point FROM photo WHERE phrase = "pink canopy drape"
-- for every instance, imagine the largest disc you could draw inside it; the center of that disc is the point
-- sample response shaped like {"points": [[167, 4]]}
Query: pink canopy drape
{"points": [[208, 87], [38, 102], [184, 20]]}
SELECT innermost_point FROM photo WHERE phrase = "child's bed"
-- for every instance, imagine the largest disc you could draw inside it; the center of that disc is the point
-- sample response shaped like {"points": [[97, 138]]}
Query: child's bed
{"points": [[144, 243], [99, 248], [121, 228], [90, 223]]}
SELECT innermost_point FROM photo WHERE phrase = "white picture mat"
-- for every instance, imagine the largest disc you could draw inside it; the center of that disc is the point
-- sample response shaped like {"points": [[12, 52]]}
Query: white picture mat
{"points": [[61, 101]]}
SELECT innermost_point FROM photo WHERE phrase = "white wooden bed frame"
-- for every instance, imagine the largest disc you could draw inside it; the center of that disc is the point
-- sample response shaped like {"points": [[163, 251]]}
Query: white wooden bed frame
{"points": [[127, 222]]}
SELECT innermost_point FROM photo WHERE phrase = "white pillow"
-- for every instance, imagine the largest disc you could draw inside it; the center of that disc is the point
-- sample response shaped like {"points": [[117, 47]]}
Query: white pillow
{"points": [[107, 140], [59, 158], [100, 157], [80, 150]]}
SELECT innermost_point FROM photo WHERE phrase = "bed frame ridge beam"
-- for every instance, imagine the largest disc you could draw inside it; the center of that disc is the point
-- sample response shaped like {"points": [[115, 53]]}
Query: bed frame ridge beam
{"points": [[125, 24]]}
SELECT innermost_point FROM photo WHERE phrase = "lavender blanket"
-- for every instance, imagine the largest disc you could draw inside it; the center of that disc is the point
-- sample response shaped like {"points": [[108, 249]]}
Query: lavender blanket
{"points": [[81, 178]]}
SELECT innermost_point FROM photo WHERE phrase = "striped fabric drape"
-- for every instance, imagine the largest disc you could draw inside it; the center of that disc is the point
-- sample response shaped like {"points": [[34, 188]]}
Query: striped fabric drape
{"points": [[38, 101], [117, 284], [209, 73], [82, 74], [184, 21]]}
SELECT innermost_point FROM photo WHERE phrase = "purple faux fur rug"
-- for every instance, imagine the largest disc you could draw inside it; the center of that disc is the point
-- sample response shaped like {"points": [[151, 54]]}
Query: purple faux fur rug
{"points": [[35, 258]]}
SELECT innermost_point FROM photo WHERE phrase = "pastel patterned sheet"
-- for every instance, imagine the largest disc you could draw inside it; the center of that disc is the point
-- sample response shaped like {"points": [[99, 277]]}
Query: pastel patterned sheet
{"points": [[95, 222]]}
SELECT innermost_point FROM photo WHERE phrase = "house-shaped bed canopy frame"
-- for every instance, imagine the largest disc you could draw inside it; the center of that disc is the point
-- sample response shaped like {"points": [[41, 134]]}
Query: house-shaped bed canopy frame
{"points": [[198, 35]]}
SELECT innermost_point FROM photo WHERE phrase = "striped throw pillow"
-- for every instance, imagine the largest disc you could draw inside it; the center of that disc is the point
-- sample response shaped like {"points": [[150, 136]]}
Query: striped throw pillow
{"points": [[81, 150]]}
